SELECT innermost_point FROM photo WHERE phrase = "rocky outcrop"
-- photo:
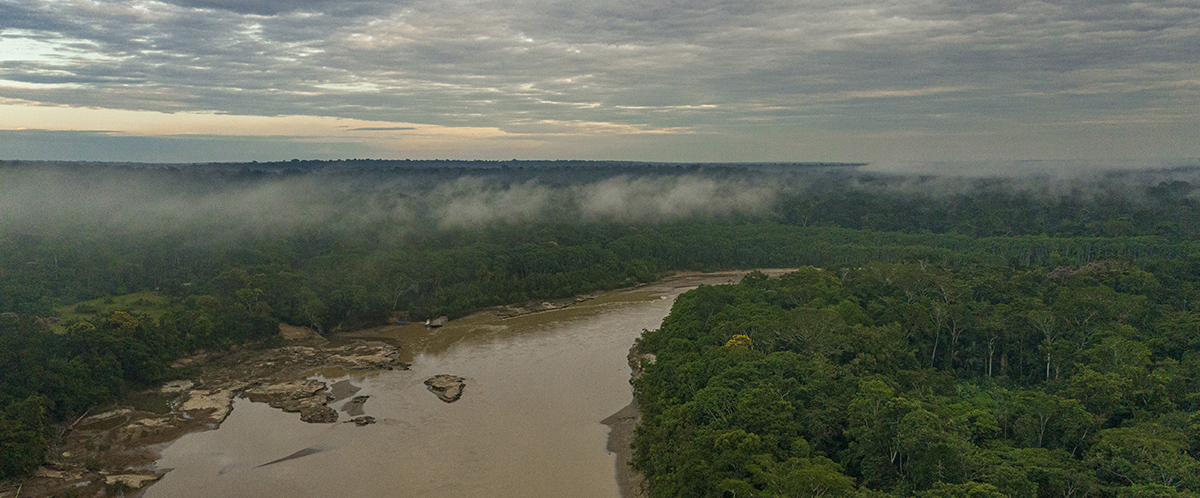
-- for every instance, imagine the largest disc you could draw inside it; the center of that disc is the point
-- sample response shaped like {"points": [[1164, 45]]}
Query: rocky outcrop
{"points": [[361, 421], [369, 356], [132, 481], [308, 397], [215, 403], [448, 388], [318, 415], [202, 402]]}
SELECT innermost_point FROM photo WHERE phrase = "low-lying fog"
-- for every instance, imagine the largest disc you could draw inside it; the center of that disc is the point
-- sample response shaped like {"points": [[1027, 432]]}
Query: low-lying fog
{"points": [[273, 199]]}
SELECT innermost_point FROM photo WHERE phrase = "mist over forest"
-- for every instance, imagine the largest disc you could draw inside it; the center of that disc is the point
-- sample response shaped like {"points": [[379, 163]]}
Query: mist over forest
{"points": [[407, 197], [264, 198]]}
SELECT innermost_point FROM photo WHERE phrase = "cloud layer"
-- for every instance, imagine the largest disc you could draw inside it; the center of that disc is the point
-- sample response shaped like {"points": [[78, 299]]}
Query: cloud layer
{"points": [[56, 200], [705, 79], [222, 204]]}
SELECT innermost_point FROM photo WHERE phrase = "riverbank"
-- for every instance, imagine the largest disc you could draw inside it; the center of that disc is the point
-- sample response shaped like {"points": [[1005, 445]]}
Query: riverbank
{"points": [[117, 451], [623, 424]]}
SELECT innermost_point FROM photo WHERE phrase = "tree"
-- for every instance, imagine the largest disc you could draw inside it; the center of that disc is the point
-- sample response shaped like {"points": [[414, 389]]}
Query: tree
{"points": [[1145, 454], [23, 433], [965, 490]]}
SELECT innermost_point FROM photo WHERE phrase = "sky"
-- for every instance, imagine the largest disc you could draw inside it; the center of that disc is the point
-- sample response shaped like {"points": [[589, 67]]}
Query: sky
{"points": [[661, 80]]}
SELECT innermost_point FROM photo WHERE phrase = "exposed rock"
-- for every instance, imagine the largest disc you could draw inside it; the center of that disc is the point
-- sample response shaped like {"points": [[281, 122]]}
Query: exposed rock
{"points": [[318, 415], [305, 396], [370, 356], [297, 353], [361, 421], [265, 375], [285, 391], [217, 401], [135, 481], [448, 388]]}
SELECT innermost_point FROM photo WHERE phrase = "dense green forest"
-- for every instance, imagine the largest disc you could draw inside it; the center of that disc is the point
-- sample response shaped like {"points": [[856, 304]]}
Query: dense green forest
{"points": [[232, 251], [924, 380]]}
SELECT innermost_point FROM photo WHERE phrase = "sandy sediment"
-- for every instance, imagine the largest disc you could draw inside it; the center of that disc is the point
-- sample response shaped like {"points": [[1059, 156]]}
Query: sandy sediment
{"points": [[621, 427]]}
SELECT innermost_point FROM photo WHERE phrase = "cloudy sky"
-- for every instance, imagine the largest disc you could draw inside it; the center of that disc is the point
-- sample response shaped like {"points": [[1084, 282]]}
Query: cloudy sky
{"points": [[666, 80]]}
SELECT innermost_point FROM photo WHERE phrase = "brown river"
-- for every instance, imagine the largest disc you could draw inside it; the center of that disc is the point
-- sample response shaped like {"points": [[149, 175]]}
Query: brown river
{"points": [[528, 423]]}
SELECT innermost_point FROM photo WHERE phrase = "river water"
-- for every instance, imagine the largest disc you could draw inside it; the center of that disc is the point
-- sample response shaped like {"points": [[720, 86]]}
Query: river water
{"points": [[528, 423]]}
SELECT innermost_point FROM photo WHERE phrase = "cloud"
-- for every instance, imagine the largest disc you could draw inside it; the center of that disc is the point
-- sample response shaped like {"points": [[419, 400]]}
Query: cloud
{"points": [[273, 7], [658, 199], [471, 203], [727, 69], [152, 123], [121, 201], [384, 128], [102, 145]]}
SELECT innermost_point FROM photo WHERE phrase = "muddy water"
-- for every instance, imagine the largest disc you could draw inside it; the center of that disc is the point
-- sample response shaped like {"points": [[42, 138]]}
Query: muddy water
{"points": [[528, 423]]}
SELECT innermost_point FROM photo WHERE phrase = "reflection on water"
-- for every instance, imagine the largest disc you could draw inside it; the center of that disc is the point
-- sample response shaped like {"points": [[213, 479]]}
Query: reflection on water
{"points": [[528, 424]]}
